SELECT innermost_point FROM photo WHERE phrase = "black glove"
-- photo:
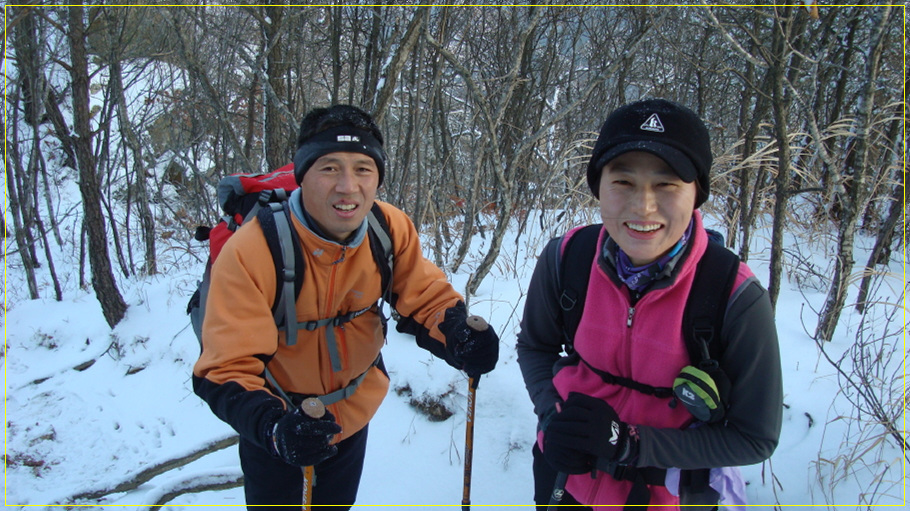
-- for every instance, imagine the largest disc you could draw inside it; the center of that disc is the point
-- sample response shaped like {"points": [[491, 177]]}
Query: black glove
{"points": [[303, 441], [473, 352], [562, 456], [586, 433]]}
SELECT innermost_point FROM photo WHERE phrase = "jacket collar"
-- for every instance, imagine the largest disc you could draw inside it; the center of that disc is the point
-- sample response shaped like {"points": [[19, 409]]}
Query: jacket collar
{"points": [[299, 212]]}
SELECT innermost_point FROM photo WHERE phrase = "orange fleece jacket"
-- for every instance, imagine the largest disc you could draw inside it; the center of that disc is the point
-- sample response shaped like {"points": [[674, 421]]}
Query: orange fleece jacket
{"points": [[239, 335]]}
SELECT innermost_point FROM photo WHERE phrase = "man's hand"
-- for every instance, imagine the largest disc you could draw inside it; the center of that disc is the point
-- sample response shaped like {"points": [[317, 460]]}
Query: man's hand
{"points": [[303, 441], [473, 351]]}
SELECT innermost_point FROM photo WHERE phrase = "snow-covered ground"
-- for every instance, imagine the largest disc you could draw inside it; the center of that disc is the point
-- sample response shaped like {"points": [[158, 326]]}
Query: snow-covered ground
{"points": [[72, 429]]}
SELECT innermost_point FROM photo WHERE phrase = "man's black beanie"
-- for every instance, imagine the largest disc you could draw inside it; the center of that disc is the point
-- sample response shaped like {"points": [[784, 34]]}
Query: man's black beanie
{"points": [[663, 128], [348, 129]]}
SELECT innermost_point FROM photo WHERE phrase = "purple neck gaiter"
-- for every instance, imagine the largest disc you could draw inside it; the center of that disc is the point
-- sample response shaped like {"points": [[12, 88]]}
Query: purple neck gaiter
{"points": [[638, 278]]}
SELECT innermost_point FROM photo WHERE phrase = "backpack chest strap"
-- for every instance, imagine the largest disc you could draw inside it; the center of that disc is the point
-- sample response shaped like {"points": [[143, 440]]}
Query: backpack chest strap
{"points": [[330, 340], [644, 388], [294, 399]]}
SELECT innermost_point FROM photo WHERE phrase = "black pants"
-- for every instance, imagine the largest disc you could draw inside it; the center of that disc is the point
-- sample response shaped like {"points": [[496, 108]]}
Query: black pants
{"points": [[544, 479], [270, 481]]}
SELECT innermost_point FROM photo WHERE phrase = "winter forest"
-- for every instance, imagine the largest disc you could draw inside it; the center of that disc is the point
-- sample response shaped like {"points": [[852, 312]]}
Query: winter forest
{"points": [[119, 122]]}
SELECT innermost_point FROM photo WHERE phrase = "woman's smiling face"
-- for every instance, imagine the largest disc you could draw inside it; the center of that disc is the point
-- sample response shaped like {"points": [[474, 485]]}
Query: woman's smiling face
{"points": [[644, 205]]}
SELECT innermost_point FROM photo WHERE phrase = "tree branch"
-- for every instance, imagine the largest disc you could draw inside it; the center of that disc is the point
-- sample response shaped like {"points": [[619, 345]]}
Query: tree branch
{"points": [[149, 473]]}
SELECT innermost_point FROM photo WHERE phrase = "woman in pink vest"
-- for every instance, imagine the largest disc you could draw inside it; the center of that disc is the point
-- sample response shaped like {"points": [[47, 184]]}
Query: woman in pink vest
{"points": [[614, 415]]}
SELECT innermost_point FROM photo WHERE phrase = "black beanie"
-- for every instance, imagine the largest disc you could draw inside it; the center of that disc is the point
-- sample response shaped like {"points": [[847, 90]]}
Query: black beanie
{"points": [[338, 139], [663, 128]]}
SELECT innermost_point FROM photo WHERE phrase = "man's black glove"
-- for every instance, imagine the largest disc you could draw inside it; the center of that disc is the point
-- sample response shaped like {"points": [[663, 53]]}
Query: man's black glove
{"points": [[473, 352], [303, 441], [585, 433]]}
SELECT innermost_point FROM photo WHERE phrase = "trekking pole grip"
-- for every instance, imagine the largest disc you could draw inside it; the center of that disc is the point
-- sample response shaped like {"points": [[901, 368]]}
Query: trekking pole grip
{"points": [[313, 408], [477, 323]]}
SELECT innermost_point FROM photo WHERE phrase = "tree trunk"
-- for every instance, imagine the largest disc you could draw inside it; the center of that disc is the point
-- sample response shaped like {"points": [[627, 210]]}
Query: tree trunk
{"points": [[131, 140], [750, 177], [384, 95], [335, 25], [61, 130], [112, 304], [22, 233], [278, 141], [858, 191], [882, 242], [17, 180], [372, 60], [781, 61], [40, 167]]}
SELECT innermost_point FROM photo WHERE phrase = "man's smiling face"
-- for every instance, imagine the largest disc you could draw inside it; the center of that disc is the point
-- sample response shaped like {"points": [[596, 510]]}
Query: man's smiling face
{"points": [[338, 191]]}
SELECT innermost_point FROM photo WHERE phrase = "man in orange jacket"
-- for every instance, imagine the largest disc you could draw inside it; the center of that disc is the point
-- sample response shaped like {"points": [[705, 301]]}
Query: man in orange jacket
{"points": [[340, 163]]}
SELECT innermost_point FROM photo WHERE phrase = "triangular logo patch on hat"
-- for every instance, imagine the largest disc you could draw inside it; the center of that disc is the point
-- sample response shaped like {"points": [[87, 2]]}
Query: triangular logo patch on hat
{"points": [[653, 124]]}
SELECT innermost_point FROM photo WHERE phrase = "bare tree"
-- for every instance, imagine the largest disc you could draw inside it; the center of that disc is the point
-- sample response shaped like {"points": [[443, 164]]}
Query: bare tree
{"points": [[509, 132], [112, 304], [858, 185], [779, 57], [885, 238], [278, 138], [507, 141], [26, 96], [24, 239], [117, 34]]}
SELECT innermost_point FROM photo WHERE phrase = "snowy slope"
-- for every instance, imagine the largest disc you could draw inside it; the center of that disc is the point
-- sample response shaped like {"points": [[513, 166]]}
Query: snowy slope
{"points": [[74, 430]]}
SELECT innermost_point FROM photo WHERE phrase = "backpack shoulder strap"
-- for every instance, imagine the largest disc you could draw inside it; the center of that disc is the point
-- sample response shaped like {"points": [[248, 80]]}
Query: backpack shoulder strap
{"points": [[380, 236], [578, 254], [703, 317], [284, 246]]}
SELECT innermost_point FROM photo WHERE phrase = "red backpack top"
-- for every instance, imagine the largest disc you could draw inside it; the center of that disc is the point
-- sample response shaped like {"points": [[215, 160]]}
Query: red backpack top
{"points": [[241, 196]]}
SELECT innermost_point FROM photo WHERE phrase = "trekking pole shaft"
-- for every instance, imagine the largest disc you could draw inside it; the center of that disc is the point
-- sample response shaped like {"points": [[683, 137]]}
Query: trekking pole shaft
{"points": [[469, 444], [315, 409], [559, 489], [478, 324]]}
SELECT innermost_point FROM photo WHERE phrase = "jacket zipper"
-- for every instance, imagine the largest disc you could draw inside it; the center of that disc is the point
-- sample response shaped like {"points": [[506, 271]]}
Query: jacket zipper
{"points": [[331, 300], [634, 296], [328, 313]]}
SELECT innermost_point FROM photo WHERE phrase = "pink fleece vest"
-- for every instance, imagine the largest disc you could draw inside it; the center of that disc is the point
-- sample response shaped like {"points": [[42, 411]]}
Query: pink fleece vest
{"points": [[644, 343]]}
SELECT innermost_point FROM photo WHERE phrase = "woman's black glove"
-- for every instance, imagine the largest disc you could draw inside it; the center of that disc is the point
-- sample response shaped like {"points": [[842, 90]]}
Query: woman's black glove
{"points": [[562, 456], [586, 433], [474, 352], [303, 441]]}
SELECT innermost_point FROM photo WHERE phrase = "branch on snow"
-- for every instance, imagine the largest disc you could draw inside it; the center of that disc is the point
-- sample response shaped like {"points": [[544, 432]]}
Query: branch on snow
{"points": [[213, 481], [154, 471]]}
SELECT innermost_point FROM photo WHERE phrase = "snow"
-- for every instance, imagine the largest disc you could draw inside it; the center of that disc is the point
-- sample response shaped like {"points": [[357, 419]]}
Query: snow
{"points": [[74, 430]]}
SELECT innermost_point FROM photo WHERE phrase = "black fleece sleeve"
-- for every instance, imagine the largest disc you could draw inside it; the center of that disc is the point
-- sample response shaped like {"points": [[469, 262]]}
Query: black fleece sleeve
{"points": [[251, 413], [540, 341], [408, 325], [751, 428]]}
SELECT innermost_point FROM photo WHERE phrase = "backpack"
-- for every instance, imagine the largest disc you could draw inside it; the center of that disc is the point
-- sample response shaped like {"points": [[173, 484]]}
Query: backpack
{"points": [[703, 317], [265, 196]]}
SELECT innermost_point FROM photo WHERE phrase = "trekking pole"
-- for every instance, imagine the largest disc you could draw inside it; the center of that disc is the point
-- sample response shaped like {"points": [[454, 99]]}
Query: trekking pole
{"points": [[559, 490], [315, 409], [477, 324]]}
